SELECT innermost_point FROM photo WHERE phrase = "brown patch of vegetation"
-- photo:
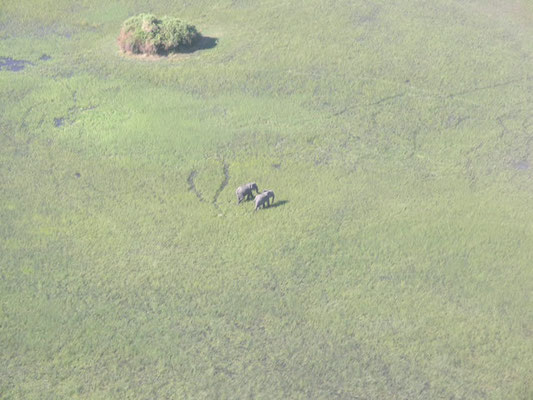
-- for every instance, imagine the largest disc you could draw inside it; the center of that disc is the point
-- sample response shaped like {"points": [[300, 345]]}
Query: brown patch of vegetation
{"points": [[128, 44]]}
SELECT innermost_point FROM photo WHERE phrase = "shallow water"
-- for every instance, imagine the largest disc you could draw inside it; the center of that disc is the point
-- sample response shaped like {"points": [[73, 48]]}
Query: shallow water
{"points": [[59, 122], [522, 165], [9, 64]]}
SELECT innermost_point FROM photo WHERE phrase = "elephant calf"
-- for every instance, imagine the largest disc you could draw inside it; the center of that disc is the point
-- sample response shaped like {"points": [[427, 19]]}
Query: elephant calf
{"points": [[246, 191], [263, 199]]}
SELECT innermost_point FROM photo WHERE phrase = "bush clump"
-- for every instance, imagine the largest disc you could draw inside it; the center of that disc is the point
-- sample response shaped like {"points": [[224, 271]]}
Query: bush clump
{"points": [[147, 34]]}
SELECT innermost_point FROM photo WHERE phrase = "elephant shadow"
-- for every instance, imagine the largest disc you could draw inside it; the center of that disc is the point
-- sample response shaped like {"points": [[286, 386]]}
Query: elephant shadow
{"points": [[278, 203]]}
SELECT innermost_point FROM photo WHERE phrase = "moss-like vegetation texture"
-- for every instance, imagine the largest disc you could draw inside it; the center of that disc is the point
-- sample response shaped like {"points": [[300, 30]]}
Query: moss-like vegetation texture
{"points": [[147, 34]]}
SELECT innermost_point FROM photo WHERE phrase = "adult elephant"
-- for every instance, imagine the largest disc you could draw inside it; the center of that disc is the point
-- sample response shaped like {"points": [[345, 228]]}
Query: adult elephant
{"points": [[246, 191], [263, 199]]}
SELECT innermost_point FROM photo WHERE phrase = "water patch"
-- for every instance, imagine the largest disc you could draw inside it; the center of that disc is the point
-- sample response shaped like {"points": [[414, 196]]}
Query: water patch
{"points": [[59, 122], [9, 64], [521, 165], [45, 57]]}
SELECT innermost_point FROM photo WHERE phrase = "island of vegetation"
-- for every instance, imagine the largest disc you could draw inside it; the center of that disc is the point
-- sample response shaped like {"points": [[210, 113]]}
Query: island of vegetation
{"points": [[148, 34]]}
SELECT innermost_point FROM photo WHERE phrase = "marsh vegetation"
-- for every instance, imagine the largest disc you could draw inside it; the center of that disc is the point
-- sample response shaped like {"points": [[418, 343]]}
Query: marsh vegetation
{"points": [[395, 262]]}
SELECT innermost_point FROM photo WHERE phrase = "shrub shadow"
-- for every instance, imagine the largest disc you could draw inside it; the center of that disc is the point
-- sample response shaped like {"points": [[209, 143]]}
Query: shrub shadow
{"points": [[204, 43]]}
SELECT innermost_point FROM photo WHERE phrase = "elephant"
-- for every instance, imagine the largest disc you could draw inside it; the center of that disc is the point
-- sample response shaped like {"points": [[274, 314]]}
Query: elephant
{"points": [[246, 191], [263, 199]]}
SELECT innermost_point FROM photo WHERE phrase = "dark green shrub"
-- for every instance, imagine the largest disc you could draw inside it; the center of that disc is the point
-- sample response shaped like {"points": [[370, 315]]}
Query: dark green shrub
{"points": [[147, 34]]}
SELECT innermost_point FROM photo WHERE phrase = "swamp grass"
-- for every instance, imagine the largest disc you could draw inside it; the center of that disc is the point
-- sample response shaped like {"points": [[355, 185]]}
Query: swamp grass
{"points": [[396, 264]]}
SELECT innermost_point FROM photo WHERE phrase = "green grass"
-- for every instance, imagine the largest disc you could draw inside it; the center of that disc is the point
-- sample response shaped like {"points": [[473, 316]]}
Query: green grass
{"points": [[395, 265]]}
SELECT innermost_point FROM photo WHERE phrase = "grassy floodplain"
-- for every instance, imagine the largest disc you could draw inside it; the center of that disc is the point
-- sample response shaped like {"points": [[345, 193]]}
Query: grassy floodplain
{"points": [[396, 264]]}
